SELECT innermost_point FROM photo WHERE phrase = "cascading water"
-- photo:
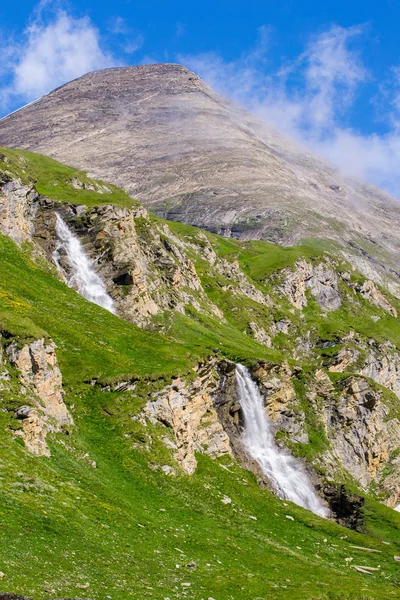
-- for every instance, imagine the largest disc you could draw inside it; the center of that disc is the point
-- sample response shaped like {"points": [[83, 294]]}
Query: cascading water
{"points": [[286, 474], [83, 278]]}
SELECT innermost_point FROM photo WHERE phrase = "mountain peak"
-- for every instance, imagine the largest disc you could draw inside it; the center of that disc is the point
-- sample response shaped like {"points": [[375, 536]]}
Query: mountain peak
{"points": [[190, 155]]}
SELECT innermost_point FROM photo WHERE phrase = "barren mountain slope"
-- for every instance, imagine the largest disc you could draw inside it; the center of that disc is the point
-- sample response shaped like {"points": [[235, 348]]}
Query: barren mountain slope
{"points": [[191, 155]]}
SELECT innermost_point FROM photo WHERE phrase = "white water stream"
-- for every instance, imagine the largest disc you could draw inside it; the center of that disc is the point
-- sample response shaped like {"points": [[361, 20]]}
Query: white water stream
{"points": [[286, 474], [83, 278]]}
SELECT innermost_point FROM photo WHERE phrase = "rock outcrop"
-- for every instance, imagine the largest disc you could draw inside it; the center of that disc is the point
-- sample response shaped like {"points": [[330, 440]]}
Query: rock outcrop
{"points": [[41, 381], [346, 506], [232, 271], [371, 293], [391, 483], [359, 430], [344, 360], [319, 279], [382, 364], [377, 361], [281, 402], [260, 334], [18, 208], [188, 409], [361, 435], [147, 269], [146, 272]]}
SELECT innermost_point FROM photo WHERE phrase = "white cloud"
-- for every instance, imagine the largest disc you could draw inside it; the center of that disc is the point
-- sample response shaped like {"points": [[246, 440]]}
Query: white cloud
{"points": [[332, 74], [51, 54], [310, 98], [130, 40], [119, 25], [133, 43]]}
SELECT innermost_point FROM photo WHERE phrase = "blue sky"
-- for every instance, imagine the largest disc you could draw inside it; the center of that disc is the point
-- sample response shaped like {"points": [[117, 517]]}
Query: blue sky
{"points": [[325, 73]]}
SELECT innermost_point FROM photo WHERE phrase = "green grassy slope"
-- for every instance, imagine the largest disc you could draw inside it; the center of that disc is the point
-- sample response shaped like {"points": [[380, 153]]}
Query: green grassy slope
{"points": [[261, 260], [55, 180], [124, 531], [93, 343]]}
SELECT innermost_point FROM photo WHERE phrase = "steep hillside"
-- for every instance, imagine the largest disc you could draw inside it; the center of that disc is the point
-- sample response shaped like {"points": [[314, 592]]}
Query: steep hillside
{"points": [[123, 467], [190, 155]]}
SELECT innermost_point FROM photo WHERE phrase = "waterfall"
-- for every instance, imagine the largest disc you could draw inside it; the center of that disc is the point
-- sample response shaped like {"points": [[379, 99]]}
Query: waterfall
{"points": [[83, 278], [286, 474]]}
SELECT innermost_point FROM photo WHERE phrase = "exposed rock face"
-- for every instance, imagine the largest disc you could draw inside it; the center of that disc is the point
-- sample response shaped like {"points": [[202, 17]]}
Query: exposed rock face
{"points": [[392, 483], [281, 403], [383, 366], [34, 431], [260, 335], [149, 271], [381, 362], [115, 236], [18, 207], [282, 326], [360, 433], [189, 410], [145, 274], [345, 358], [190, 155], [38, 365], [42, 380], [145, 267], [357, 425], [348, 507], [369, 291], [232, 271], [230, 415], [320, 280]]}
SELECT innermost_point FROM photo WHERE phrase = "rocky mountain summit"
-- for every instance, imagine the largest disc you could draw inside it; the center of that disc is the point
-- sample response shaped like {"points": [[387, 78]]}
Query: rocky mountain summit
{"points": [[190, 155]]}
